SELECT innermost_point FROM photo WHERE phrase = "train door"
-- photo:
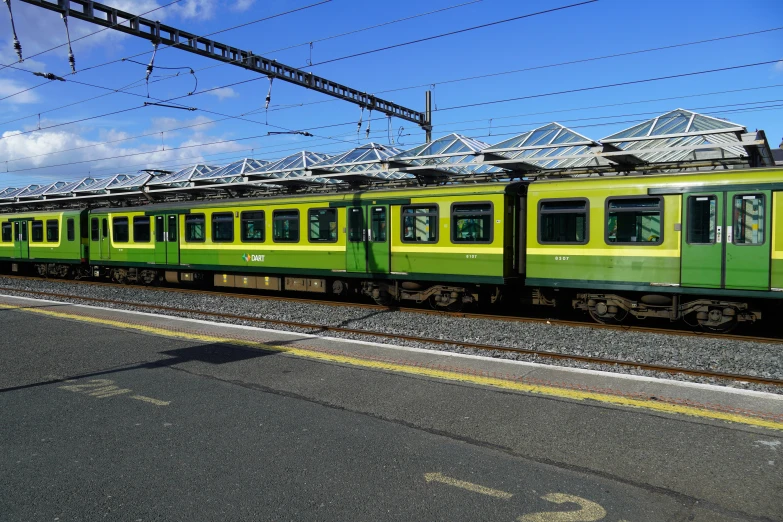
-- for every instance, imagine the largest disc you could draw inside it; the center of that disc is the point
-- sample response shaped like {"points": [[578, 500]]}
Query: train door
{"points": [[21, 242], [172, 239], [702, 240], [160, 240], [166, 239], [725, 242], [356, 247], [368, 248], [747, 239], [378, 247], [105, 253]]}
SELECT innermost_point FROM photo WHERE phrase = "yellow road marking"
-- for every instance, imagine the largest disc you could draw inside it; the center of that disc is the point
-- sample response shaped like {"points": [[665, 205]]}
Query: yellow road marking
{"points": [[550, 391], [439, 477], [156, 402]]}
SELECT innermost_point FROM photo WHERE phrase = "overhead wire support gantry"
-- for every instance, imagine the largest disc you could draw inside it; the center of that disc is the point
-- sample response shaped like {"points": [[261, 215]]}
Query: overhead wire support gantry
{"points": [[157, 32]]}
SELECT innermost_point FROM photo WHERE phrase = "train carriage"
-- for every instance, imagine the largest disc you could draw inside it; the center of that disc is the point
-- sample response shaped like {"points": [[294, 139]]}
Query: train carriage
{"points": [[703, 244], [444, 244], [53, 242]]}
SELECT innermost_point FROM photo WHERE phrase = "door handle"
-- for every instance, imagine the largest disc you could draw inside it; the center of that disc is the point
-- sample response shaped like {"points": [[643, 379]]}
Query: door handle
{"points": [[718, 234], [729, 237]]}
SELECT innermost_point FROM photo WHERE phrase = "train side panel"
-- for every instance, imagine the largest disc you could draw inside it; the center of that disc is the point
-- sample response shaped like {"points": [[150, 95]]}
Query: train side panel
{"points": [[777, 242]]}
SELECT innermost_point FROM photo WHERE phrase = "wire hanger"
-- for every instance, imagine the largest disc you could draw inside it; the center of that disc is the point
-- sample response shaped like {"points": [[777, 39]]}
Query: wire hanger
{"points": [[17, 45]]}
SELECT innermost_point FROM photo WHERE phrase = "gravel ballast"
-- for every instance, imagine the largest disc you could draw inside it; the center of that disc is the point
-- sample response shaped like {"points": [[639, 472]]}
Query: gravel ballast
{"points": [[692, 352]]}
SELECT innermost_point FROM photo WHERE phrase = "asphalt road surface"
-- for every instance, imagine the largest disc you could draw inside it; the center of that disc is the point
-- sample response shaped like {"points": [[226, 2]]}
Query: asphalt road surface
{"points": [[101, 423]]}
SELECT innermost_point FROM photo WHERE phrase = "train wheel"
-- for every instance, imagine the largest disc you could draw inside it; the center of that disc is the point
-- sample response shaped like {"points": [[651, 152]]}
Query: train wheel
{"points": [[717, 320], [606, 314]]}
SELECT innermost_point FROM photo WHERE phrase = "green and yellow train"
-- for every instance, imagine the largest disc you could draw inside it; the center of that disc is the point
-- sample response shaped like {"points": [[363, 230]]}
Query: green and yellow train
{"points": [[703, 247]]}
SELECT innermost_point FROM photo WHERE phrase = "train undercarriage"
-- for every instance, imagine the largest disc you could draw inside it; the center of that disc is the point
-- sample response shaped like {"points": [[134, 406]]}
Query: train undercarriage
{"points": [[711, 314]]}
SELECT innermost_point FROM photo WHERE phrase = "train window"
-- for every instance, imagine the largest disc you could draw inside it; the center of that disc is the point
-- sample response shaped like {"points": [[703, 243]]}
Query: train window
{"points": [[7, 232], [323, 224], [355, 224], [70, 228], [52, 230], [378, 224], [159, 230], [420, 224], [471, 223], [634, 221], [120, 231], [223, 227], [141, 229], [173, 229], [194, 228], [36, 233], [105, 227], [749, 219], [701, 220], [285, 226], [563, 221], [95, 230], [253, 226]]}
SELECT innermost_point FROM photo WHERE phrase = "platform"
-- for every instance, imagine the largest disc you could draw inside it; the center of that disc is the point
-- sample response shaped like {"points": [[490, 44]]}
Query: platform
{"points": [[132, 415]]}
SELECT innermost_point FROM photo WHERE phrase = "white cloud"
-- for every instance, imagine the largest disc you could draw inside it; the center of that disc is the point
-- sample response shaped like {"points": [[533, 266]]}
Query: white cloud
{"points": [[121, 157], [242, 5], [9, 87], [202, 9], [779, 66], [223, 93]]}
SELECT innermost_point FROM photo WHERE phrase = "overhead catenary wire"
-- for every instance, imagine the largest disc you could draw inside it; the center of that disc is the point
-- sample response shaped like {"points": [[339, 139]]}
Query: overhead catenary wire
{"points": [[223, 63], [467, 78], [164, 47], [439, 125], [605, 86], [458, 31]]}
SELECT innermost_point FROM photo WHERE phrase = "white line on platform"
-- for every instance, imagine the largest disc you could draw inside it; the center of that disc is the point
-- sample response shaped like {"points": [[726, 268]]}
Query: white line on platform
{"points": [[642, 378]]}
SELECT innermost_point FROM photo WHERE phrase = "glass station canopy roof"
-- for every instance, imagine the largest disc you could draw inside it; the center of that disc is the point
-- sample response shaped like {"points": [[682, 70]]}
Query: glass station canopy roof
{"points": [[181, 177], [448, 155], [234, 171], [676, 136], [549, 147], [361, 163]]}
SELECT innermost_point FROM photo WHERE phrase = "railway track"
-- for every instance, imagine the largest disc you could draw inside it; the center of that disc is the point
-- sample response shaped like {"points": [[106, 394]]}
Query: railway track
{"points": [[373, 306], [430, 340]]}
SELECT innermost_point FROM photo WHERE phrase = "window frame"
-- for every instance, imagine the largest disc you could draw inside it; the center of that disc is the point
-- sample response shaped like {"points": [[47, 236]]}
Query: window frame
{"points": [[203, 218], [386, 216], [218, 216], [687, 225], [56, 227], [733, 226], [114, 229], [310, 239], [97, 229], [32, 229], [70, 229], [242, 231], [7, 225], [540, 221], [298, 222], [491, 222], [661, 208], [437, 223], [149, 229]]}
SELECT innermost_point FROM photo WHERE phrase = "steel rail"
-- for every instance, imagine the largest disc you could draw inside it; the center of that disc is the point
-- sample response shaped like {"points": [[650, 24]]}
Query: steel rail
{"points": [[428, 340], [466, 315]]}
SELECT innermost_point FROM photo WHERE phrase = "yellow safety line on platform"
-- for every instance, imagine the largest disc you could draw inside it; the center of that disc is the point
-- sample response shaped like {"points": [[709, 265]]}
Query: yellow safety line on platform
{"points": [[551, 391]]}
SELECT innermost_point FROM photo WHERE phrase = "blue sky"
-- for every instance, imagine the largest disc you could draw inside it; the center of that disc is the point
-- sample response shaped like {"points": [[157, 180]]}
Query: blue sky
{"points": [[598, 29]]}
